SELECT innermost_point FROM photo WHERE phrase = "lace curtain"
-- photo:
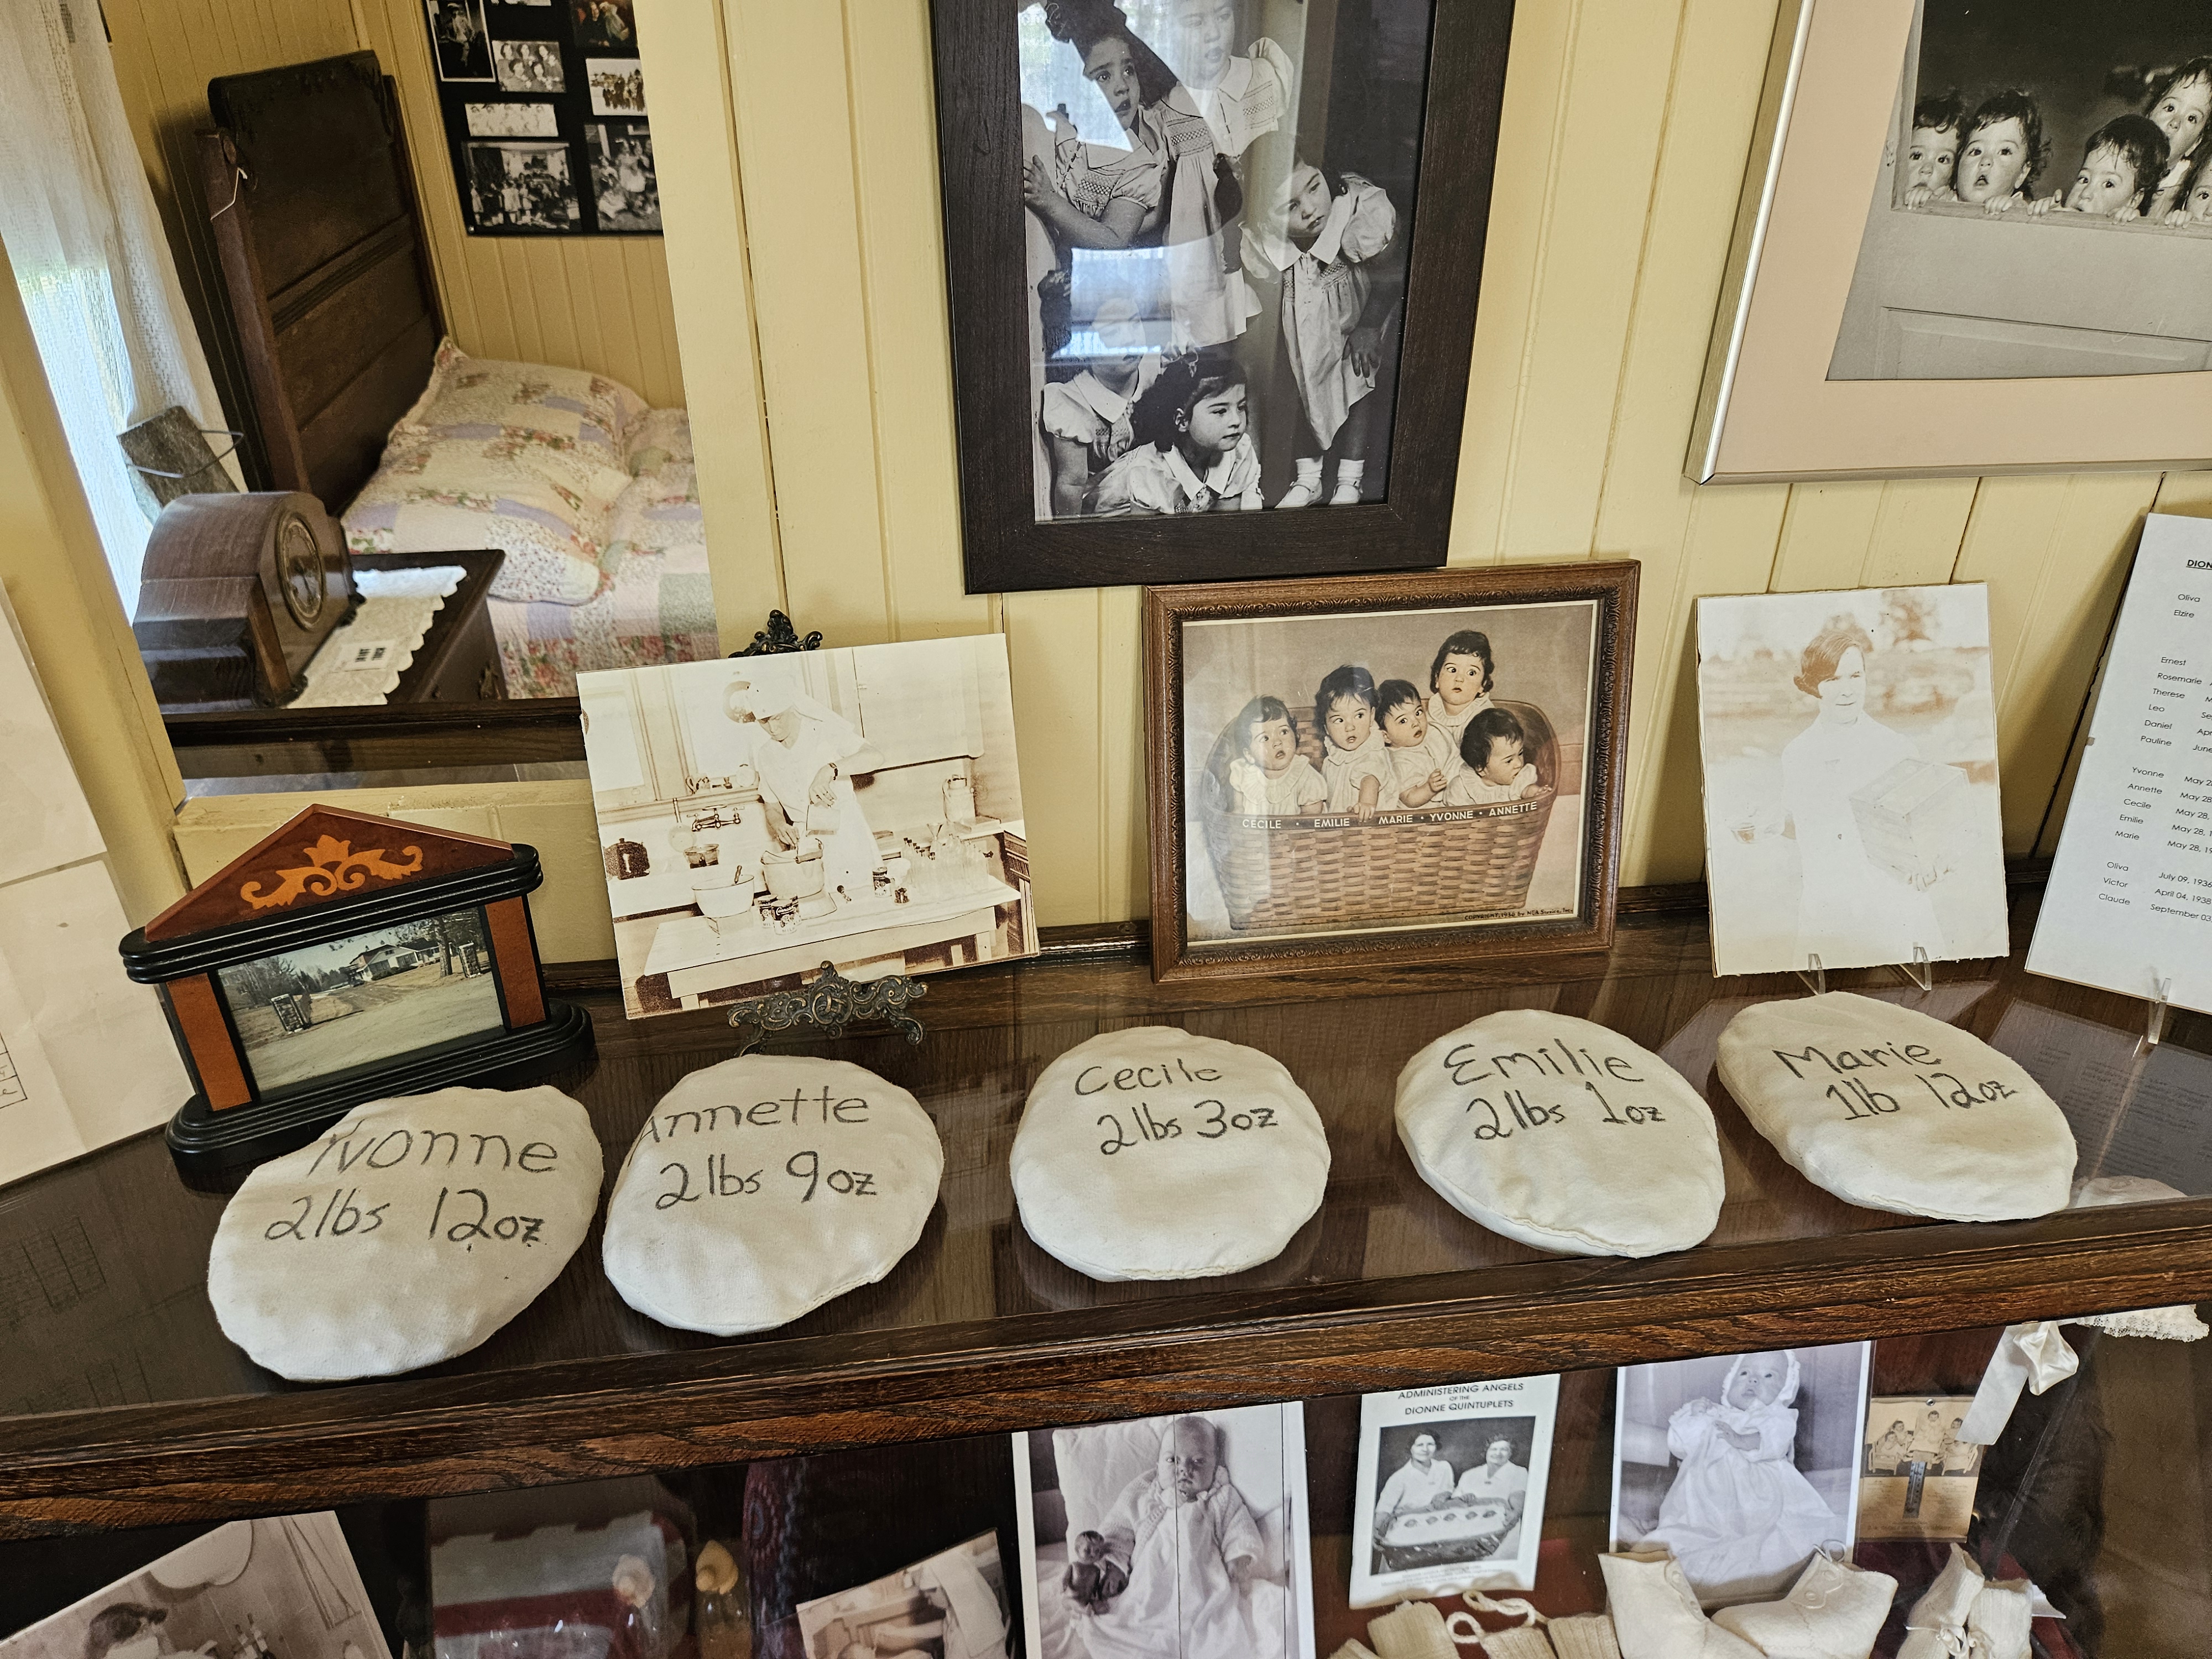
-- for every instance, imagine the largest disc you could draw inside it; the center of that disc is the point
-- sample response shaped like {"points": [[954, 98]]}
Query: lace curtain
{"points": [[78, 220]]}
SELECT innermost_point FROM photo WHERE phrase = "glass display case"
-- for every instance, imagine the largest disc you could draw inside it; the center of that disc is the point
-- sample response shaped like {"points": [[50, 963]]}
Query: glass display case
{"points": [[911, 1422]]}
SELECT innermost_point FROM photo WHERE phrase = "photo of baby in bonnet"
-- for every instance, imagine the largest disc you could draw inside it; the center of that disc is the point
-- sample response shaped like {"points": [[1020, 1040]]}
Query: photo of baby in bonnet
{"points": [[1741, 1466], [1183, 1536]]}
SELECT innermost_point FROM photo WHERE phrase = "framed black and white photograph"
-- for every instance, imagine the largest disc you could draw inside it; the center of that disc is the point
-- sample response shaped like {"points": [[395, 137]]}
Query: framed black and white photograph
{"points": [[513, 121], [760, 817], [1918, 1479], [1166, 1537], [1850, 750], [516, 185], [953, 1602], [1395, 769], [291, 1578], [2049, 214], [625, 190], [1972, 240], [604, 25], [1743, 1466], [618, 86], [530, 66], [1218, 262], [1450, 1494], [460, 39]]}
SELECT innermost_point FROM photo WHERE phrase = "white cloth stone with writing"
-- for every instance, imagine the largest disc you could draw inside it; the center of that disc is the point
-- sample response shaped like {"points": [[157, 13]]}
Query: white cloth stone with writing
{"points": [[1152, 1153], [766, 1186], [406, 1234], [1563, 1134], [1891, 1109]]}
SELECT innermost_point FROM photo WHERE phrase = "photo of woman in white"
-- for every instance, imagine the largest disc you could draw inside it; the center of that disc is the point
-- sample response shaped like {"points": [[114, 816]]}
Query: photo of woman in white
{"points": [[807, 756], [1850, 751], [1421, 1482], [1497, 1479]]}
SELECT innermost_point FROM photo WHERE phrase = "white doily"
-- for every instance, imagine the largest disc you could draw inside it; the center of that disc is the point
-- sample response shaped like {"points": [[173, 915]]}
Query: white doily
{"points": [[362, 662]]}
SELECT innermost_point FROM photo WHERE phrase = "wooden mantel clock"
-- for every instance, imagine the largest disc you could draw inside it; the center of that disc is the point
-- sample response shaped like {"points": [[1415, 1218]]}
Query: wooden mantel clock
{"points": [[345, 958]]}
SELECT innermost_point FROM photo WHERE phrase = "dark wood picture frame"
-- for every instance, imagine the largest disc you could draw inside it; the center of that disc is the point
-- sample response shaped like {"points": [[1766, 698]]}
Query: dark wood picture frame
{"points": [[1006, 548], [324, 877], [1168, 611]]}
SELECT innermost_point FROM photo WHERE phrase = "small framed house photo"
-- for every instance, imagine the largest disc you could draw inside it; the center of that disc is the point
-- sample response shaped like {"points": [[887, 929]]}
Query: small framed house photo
{"points": [[1208, 260], [1386, 769], [343, 959]]}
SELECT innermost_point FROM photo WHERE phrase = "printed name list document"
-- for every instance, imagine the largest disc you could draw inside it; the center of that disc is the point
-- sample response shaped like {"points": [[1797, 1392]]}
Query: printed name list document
{"points": [[2129, 903]]}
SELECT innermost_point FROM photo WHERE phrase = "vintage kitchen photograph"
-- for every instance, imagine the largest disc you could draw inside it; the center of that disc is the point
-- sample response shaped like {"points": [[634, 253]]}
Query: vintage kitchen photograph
{"points": [[761, 817]]}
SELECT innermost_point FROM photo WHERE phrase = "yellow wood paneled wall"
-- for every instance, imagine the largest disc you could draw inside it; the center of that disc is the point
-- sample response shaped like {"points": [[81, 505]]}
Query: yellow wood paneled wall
{"points": [[165, 56], [1626, 123]]}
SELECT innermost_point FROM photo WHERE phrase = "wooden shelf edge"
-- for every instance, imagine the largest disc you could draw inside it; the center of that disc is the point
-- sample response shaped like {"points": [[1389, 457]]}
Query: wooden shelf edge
{"points": [[624, 1414]]}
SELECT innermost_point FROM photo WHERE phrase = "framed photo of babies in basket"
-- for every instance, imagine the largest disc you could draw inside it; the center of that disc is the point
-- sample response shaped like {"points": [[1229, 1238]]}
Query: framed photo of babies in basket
{"points": [[1211, 260], [1386, 769]]}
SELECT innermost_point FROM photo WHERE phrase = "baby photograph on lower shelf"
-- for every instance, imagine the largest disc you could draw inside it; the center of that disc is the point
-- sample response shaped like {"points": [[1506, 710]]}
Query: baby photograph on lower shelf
{"points": [[760, 817], [1184, 1536], [1742, 1466]]}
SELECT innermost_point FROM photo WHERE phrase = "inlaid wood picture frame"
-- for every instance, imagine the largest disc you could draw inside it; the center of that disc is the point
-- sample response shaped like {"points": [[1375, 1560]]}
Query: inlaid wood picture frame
{"points": [[1382, 770], [340, 959], [1209, 259]]}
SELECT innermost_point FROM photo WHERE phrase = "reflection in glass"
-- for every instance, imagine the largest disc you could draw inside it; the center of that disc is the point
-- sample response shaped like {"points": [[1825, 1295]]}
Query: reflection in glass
{"points": [[1219, 197]]}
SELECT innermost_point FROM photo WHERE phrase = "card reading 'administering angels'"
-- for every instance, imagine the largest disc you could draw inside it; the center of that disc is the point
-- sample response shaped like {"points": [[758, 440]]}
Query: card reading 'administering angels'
{"points": [[1850, 774]]}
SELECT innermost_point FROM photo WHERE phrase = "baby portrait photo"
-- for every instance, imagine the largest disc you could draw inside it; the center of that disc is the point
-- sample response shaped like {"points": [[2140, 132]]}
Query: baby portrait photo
{"points": [[1742, 1466], [1851, 770], [1450, 1493], [1218, 198], [952, 1606], [2045, 206], [1166, 1537], [1915, 1479], [1361, 773], [289, 1579], [759, 816]]}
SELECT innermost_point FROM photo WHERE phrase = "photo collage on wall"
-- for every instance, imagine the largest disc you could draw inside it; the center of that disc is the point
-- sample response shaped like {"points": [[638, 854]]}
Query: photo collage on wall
{"points": [[545, 113]]}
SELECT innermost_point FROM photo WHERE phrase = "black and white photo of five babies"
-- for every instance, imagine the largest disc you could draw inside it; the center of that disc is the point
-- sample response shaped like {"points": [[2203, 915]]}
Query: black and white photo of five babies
{"points": [[1387, 747], [1215, 266], [1994, 148]]}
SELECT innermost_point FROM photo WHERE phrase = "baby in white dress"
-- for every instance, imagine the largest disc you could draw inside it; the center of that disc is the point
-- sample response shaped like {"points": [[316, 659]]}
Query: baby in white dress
{"points": [[1494, 749], [1425, 755], [1266, 772], [1362, 779]]}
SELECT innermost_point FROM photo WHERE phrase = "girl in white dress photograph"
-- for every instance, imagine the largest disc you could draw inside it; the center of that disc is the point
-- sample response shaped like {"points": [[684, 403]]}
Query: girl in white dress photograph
{"points": [[1850, 779]]}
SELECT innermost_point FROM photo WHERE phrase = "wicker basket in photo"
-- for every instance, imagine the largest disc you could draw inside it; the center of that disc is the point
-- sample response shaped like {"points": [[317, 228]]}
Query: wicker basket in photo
{"points": [[1278, 872]]}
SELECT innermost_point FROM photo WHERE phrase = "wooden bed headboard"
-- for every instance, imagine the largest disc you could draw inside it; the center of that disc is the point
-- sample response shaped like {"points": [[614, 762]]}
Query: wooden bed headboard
{"points": [[312, 205]]}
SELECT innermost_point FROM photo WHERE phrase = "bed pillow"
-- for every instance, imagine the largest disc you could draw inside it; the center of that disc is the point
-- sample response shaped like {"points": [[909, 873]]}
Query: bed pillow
{"points": [[434, 494], [659, 437], [573, 403]]}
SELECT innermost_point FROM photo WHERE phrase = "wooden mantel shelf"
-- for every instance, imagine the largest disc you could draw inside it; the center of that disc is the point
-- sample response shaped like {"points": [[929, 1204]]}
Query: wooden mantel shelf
{"points": [[125, 1406]]}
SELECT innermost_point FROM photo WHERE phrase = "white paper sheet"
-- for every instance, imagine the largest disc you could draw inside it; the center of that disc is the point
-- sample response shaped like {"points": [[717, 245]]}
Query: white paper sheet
{"points": [[92, 1056], [2129, 900], [43, 819]]}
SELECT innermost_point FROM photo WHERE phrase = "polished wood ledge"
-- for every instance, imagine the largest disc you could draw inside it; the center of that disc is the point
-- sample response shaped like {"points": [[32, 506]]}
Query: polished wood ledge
{"points": [[122, 1404]]}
